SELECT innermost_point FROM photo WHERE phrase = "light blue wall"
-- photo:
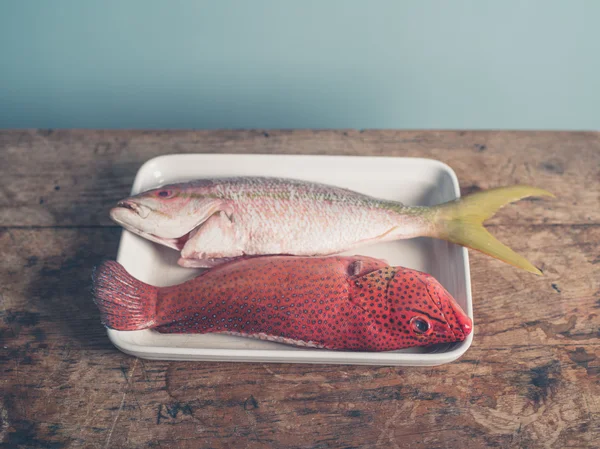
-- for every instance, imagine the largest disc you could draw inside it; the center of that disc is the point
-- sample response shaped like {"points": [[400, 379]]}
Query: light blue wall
{"points": [[296, 64]]}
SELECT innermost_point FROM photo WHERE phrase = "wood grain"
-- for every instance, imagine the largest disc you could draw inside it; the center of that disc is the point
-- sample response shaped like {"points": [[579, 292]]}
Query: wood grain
{"points": [[85, 172], [531, 378]]}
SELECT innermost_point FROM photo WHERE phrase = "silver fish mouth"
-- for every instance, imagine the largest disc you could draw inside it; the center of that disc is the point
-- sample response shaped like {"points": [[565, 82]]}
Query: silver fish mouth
{"points": [[139, 209], [176, 243]]}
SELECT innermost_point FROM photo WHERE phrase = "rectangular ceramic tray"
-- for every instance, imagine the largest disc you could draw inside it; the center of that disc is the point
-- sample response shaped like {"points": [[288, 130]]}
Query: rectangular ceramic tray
{"points": [[412, 181]]}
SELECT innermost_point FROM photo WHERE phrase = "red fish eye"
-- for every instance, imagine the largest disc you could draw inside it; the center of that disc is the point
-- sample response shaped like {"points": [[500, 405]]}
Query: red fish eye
{"points": [[420, 325], [164, 193]]}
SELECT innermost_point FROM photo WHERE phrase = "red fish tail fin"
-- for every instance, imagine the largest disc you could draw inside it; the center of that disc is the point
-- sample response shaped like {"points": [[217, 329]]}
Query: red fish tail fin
{"points": [[125, 303]]}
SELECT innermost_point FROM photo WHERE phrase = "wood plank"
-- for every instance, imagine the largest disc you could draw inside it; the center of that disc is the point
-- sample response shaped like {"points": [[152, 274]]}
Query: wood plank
{"points": [[531, 374], [531, 378], [86, 172]]}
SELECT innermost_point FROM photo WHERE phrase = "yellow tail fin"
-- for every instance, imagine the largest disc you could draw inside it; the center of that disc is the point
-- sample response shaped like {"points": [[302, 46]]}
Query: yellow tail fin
{"points": [[461, 222]]}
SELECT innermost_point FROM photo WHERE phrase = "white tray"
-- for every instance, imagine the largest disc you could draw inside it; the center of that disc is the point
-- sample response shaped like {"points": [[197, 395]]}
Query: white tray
{"points": [[410, 180]]}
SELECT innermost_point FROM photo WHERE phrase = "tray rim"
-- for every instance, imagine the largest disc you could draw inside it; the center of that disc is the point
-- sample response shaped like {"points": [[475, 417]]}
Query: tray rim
{"points": [[304, 356]]}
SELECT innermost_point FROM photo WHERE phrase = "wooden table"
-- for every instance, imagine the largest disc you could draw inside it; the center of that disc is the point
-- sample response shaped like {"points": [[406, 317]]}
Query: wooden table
{"points": [[531, 378]]}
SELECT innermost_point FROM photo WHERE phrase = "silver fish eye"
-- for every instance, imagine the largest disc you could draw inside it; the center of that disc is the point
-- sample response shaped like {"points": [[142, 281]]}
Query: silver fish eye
{"points": [[165, 193]]}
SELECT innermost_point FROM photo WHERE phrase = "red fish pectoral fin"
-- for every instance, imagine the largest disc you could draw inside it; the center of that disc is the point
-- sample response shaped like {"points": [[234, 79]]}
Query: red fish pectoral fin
{"points": [[355, 268], [365, 265]]}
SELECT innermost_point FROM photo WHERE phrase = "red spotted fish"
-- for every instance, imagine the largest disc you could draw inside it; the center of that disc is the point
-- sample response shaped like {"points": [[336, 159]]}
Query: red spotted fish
{"points": [[342, 303], [213, 220]]}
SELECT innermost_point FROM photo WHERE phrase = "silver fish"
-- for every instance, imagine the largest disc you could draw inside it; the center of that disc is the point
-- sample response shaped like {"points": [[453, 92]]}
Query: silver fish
{"points": [[211, 221]]}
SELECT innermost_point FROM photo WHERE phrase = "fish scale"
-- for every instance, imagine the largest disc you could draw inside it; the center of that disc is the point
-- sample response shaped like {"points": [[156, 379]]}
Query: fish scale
{"points": [[211, 221], [344, 303]]}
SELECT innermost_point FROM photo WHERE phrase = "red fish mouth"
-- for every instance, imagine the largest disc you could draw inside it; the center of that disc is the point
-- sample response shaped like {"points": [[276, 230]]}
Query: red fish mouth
{"points": [[441, 296], [465, 325]]}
